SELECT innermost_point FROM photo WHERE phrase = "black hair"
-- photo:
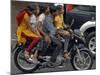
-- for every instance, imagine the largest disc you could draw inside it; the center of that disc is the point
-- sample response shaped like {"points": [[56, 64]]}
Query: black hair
{"points": [[43, 7], [29, 8], [59, 7], [32, 7], [53, 9]]}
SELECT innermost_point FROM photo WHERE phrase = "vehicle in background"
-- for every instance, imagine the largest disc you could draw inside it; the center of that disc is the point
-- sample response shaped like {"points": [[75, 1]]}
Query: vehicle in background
{"points": [[89, 31]]}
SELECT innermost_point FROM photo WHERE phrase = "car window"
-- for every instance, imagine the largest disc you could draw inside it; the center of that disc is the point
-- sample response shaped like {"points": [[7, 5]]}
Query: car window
{"points": [[85, 8]]}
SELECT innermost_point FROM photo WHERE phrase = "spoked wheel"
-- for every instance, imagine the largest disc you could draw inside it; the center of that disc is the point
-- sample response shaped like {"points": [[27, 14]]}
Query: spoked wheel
{"points": [[91, 42], [92, 45], [83, 63], [22, 64]]}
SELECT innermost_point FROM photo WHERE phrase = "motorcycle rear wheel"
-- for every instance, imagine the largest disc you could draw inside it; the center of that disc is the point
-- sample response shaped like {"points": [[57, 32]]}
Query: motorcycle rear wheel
{"points": [[20, 66]]}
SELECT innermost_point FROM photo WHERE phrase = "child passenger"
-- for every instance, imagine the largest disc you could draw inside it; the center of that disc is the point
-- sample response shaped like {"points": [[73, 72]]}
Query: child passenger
{"points": [[59, 24]]}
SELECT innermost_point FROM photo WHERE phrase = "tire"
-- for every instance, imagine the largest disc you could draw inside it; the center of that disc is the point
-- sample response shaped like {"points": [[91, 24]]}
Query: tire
{"points": [[89, 38], [73, 57], [19, 67]]}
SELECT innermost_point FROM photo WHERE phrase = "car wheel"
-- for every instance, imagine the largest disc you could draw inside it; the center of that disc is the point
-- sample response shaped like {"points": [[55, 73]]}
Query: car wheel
{"points": [[91, 42]]}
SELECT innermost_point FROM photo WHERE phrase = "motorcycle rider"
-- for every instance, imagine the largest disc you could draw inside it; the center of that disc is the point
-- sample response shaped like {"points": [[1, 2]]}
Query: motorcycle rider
{"points": [[34, 24], [37, 20], [60, 26], [51, 30], [25, 31]]}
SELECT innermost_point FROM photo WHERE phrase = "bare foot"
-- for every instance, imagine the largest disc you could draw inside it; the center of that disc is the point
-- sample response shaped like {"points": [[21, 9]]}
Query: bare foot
{"points": [[40, 57], [26, 54], [66, 56], [34, 59], [34, 56]]}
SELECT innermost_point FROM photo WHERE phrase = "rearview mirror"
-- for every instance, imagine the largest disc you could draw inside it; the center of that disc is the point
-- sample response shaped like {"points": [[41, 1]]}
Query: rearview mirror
{"points": [[72, 22]]}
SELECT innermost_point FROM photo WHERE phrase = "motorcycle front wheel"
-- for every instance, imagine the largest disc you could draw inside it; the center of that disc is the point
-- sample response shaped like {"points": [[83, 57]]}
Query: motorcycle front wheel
{"points": [[84, 63]]}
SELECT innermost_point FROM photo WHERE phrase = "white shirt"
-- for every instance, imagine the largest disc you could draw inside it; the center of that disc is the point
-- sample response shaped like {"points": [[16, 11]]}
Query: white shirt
{"points": [[33, 20], [41, 18]]}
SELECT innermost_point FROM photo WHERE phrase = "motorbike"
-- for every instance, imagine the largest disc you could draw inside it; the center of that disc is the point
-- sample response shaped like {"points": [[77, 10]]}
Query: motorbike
{"points": [[80, 56]]}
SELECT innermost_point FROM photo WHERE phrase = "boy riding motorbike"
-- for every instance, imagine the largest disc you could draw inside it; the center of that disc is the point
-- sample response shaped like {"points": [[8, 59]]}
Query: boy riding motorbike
{"points": [[60, 26]]}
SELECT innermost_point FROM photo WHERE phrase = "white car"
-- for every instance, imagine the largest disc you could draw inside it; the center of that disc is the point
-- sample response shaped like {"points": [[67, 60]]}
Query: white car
{"points": [[89, 31]]}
